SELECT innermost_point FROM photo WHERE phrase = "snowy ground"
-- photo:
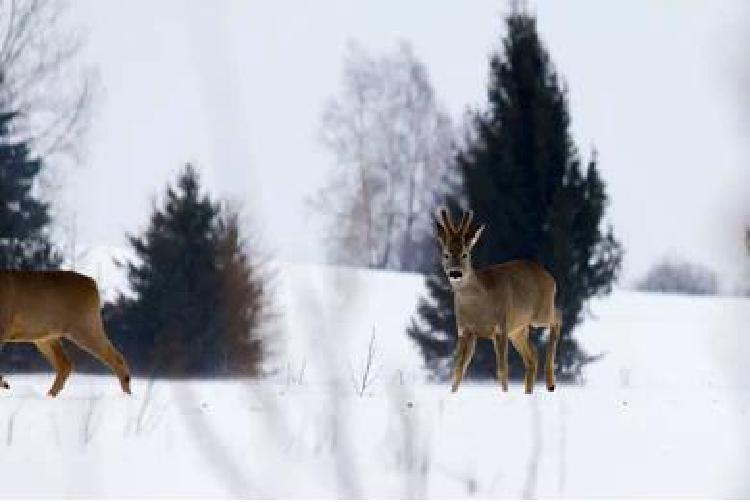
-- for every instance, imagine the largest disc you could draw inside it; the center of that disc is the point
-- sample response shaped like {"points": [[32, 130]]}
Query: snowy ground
{"points": [[665, 413]]}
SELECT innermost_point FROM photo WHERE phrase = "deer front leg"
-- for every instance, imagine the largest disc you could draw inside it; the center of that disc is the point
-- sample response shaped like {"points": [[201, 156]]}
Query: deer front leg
{"points": [[500, 341], [458, 362], [554, 336], [3, 383], [464, 352]]}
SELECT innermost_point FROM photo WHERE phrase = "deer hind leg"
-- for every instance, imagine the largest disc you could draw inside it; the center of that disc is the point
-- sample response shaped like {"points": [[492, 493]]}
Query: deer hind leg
{"points": [[500, 341], [464, 353], [52, 350], [93, 340], [528, 353], [554, 336], [3, 383]]}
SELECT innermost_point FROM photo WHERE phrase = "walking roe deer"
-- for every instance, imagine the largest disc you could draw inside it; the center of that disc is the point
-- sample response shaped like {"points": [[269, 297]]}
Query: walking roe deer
{"points": [[43, 307], [498, 302]]}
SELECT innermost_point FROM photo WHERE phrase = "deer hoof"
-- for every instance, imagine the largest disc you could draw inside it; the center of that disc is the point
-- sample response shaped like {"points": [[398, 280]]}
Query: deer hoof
{"points": [[4, 385], [125, 384], [551, 388]]}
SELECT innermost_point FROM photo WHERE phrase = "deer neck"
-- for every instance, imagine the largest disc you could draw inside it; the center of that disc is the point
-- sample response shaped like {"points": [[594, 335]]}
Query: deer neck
{"points": [[469, 285]]}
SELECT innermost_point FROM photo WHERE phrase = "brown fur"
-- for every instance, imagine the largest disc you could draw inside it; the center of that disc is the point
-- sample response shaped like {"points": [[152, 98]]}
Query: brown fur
{"points": [[44, 307], [499, 302]]}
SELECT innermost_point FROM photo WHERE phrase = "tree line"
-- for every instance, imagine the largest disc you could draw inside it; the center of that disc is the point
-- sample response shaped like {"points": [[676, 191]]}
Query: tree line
{"points": [[198, 299]]}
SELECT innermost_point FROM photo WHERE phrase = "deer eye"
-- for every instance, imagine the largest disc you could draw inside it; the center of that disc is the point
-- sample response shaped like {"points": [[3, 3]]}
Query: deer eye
{"points": [[446, 255], [465, 255]]}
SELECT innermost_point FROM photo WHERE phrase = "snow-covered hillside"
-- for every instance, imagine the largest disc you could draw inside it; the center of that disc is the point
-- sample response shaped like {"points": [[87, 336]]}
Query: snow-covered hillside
{"points": [[664, 412]]}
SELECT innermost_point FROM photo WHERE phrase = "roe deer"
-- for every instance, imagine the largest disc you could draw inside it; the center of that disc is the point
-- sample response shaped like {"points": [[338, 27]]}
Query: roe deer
{"points": [[43, 307], [497, 302]]}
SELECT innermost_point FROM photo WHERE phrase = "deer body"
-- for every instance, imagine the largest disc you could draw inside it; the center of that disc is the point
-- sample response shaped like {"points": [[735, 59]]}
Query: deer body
{"points": [[44, 307], [515, 289], [499, 302]]}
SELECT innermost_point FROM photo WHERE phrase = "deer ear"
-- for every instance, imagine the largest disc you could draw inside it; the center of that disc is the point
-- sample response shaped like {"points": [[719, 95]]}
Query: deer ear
{"points": [[440, 231], [474, 237]]}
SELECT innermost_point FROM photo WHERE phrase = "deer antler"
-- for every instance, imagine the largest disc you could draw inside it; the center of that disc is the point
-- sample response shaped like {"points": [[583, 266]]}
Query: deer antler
{"points": [[445, 218], [466, 219]]}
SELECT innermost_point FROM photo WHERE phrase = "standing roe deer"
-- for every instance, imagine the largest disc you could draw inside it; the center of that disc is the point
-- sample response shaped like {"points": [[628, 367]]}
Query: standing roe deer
{"points": [[497, 302], [43, 307]]}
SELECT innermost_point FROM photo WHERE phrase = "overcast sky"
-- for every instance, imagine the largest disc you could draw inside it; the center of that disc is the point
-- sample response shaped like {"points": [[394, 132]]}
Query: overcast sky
{"points": [[237, 87]]}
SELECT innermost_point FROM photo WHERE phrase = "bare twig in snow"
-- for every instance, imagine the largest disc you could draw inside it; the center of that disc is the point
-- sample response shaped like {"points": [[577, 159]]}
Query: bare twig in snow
{"points": [[563, 449], [532, 470], [148, 417], [11, 424], [89, 425], [295, 377], [368, 375]]}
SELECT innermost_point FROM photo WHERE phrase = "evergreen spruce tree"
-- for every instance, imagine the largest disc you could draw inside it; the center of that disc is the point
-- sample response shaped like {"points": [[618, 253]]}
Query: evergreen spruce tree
{"points": [[24, 219], [523, 178], [198, 300]]}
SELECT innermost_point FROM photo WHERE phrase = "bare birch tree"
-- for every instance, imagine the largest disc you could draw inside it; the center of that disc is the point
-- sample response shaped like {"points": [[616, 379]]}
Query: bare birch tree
{"points": [[393, 143], [42, 78]]}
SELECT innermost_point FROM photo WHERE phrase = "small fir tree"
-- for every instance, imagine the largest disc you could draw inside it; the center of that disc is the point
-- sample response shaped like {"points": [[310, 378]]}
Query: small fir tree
{"points": [[198, 299]]}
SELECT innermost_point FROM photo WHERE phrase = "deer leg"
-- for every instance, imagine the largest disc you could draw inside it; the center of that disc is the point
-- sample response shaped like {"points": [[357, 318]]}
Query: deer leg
{"points": [[500, 341], [53, 351], [530, 360], [464, 352], [554, 336], [3, 383], [93, 340], [458, 362]]}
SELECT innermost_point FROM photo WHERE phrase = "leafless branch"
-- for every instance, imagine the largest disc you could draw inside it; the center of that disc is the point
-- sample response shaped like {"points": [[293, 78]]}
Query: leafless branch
{"points": [[42, 77], [295, 377], [367, 376], [147, 417], [11, 424], [392, 143], [532, 468], [88, 427]]}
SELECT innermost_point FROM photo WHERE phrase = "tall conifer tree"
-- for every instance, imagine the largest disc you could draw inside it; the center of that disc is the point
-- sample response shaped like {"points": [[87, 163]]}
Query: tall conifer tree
{"points": [[24, 218]]}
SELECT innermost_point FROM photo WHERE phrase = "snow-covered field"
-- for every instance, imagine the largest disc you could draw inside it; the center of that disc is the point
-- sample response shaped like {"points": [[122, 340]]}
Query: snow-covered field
{"points": [[665, 413]]}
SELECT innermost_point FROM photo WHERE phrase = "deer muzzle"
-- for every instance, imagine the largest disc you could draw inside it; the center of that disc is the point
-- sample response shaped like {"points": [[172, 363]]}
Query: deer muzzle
{"points": [[455, 275]]}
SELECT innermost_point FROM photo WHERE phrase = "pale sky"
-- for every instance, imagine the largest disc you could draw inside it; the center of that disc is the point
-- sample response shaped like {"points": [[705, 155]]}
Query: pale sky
{"points": [[237, 87]]}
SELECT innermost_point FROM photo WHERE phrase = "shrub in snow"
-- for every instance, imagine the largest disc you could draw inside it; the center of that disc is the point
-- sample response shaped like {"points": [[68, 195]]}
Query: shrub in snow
{"points": [[669, 276]]}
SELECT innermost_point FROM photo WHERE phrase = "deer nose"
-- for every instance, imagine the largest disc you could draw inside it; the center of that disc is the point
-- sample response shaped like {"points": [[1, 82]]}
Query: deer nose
{"points": [[455, 274]]}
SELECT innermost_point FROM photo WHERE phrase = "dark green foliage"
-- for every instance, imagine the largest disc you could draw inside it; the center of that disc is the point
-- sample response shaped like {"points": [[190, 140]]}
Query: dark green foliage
{"points": [[523, 178], [24, 221], [198, 302]]}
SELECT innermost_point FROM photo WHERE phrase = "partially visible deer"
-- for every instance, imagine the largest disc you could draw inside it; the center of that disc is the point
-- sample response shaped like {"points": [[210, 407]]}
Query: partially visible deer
{"points": [[44, 307], [498, 302]]}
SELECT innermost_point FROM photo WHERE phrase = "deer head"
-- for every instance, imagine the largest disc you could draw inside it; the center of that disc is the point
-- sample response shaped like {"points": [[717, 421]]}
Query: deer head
{"points": [[457, 243]]}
